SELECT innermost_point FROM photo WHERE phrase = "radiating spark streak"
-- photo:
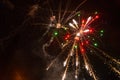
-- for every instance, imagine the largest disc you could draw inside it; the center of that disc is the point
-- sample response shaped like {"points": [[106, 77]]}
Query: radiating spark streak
{"points": [[88, 20], [48, 29], [94, 52], [111, 58], [72, 49], [64, 74], [50, 7], [109, 64], [88, 66], [116, 61], [53, 61], [87, 30], [115, 70], [75, 22], [66, 8], [70, 24], [67, 62], [64, 63], [59, 14], [77, 64], [66, 44], [76, 76], [71, 17], [79, 36], [47, 45], [91, 72], [50, 64], [77, 60], [59, 42], [70, 54], [33, 10], [76, 9]]}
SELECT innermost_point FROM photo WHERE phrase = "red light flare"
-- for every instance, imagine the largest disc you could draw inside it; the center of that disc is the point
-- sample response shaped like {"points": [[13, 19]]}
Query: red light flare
{"points": [[82, 43], [83, 23], [82, 49], [67, 36], [87, 42], [88, 31], [96, 17], [91, 30]]}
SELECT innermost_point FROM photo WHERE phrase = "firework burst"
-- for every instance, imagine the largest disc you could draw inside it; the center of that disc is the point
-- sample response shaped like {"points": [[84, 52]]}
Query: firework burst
{"points": [[78, 40]]}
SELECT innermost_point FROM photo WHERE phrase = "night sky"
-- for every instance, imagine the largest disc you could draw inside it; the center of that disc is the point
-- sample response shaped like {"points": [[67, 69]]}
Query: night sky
{"points": [[21, 55]]}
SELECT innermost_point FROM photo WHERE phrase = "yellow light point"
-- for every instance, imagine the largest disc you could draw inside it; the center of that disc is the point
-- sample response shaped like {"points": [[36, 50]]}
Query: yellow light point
{"points": [[64, 28], [58, 25], [75, 46], [96, 12], [81, 31], [52, 18]]}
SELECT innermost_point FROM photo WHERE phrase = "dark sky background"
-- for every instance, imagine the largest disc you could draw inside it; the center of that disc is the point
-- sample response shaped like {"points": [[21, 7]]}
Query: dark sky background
{"points": [[21, 56]]}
